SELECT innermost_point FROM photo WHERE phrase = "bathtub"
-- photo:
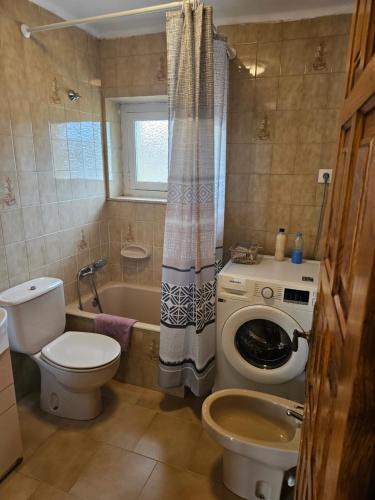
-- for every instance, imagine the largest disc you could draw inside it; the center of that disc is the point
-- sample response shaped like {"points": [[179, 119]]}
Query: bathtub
{"points": [[140, 365]]}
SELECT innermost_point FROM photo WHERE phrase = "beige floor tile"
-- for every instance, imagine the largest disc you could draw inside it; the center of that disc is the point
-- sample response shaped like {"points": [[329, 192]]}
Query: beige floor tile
{"points": [[17, 487], [36, 427], [169, 483], [121, 391], [121, 424], [46, 492], [207, 458], [113, 474], [188, 408], [169, 439], [61, 458]]}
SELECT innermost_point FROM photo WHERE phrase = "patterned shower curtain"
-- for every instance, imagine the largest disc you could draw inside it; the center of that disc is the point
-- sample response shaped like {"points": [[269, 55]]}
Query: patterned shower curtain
{"points": [[197, 90]]}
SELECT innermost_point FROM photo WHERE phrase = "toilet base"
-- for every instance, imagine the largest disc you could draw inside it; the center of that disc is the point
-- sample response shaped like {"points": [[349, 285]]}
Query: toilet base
{"points": [[250, 479], [62, 402]]}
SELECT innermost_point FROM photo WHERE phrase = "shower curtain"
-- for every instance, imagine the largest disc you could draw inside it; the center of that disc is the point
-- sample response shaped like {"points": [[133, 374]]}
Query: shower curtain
{"points": [[193, 241]]}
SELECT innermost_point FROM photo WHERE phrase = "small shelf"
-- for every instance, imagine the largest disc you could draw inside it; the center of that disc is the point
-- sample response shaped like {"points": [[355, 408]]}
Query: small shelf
{"points": [[135, 252]]}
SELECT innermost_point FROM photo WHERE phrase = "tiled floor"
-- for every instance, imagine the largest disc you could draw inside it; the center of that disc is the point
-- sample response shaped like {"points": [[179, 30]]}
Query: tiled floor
{"points": [[145, 446]]}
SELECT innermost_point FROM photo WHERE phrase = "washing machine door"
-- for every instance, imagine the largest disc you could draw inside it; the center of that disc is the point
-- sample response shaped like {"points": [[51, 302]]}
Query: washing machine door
{"points": [[257, 342]]}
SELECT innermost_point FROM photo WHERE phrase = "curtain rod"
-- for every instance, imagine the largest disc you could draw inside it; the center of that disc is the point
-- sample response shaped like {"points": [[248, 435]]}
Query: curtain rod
{"points": [[27, 30]]}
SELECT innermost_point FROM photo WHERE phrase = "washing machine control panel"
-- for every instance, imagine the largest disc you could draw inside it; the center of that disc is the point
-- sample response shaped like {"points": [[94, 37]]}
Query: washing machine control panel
{"points": [[296, 296]]}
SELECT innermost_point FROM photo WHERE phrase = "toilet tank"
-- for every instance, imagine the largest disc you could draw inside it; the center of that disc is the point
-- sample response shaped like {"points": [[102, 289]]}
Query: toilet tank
{"points": [[36, 313]]}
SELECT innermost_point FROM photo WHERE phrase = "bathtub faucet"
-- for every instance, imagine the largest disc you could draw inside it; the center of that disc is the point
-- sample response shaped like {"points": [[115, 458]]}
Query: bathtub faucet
{"points": [[89, 272], [91, 268]]}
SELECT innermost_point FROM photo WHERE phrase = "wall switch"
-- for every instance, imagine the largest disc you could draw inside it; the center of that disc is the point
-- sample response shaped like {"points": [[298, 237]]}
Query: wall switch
{"points": [[323, 171]]}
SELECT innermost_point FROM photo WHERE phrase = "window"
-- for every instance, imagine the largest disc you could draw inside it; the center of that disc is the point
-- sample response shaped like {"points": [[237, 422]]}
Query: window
{"points": [[145, 149]]}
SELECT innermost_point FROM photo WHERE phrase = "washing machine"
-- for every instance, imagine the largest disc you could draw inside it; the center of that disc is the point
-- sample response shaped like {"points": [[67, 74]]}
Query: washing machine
{"points": [[262, 311]]}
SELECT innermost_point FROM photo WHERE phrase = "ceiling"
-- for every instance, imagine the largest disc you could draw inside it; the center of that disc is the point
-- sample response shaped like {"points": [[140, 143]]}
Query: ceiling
{"points": [[225, 12]]}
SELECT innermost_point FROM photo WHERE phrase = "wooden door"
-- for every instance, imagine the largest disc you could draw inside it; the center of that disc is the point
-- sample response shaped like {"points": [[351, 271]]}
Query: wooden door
{"points": [[337, 459]]}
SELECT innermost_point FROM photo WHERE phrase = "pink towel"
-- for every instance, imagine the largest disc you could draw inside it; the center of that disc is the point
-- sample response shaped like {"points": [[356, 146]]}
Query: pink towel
{"points": [[117, 327]]}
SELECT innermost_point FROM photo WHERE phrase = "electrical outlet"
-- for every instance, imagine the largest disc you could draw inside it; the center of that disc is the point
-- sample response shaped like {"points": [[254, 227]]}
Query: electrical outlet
{"points": [[323, 171]]}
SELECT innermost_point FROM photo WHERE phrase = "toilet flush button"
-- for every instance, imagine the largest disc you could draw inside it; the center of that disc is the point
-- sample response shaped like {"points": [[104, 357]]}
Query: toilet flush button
{"points": [[267, 292]]}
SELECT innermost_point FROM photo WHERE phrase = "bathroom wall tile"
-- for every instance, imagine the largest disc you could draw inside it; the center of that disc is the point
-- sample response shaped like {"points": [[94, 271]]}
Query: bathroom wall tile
{"points": [[304, 219], [5, 126], [242, 95], [28, 186], [70, 269], [240, 33], [316, 91], [264, 126], [268, 59], [269, 32], [52, 248], [278, 215], [287, 126], [304, 187], [290, 94], [36, 253], [261, 158], [40, 119], [330, 25], [50, 218], [57, 119], [20, 118], [43, 155], [293, 57], [266, 90], [256, 216], [259, 186], [16, 257], [47, 187], [283, 158], [237, 187], [239, 158], [24, 153], [241, 127], [12, 226], [308, 158], [7, 162], [60, 154], [32, 221], [10, 197], [280, 189]]}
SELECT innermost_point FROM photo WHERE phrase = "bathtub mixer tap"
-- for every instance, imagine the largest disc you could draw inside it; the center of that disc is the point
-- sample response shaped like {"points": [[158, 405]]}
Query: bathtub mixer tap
{"points": [[89, 273]]}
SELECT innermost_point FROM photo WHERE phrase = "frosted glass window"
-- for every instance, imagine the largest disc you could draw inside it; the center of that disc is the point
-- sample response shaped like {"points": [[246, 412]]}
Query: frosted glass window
{"points": [[151, 150]]}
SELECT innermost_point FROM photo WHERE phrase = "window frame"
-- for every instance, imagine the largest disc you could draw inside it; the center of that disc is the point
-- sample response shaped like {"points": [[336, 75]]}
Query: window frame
{"points": [[130, 113]]}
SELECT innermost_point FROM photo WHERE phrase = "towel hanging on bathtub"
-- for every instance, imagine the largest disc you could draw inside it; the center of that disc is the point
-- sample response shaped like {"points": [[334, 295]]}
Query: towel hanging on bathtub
{"points": [[117, 327]]}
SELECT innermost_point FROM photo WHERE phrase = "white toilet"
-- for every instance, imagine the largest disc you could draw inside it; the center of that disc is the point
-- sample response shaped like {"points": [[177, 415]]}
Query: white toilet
{"points": [[73, 365], [260, 440]]}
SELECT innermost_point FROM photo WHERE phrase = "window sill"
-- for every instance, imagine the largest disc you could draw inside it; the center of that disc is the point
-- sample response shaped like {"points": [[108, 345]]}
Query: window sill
{"points": [[138, 199]]}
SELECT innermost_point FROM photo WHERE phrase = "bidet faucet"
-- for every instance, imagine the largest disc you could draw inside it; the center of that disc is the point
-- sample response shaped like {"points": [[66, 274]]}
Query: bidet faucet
{"points": [[295, 414]]}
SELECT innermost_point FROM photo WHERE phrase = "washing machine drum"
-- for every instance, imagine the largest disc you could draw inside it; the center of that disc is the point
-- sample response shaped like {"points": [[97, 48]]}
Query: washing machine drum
{"points": [[257, 342]]}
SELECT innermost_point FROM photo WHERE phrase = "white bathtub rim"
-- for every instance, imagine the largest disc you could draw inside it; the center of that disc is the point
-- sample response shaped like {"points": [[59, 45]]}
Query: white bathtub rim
{"points": [[74, 310]]}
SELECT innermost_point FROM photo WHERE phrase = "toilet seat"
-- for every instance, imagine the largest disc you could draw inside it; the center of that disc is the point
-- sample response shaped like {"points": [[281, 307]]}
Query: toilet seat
{"points": [[81, 351]]}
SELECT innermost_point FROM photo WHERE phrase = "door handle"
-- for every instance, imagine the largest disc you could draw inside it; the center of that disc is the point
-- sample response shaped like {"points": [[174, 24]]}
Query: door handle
{"points": [[303, 335]]}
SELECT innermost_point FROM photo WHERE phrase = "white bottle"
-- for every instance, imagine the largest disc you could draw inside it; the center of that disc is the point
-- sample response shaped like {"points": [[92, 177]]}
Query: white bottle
{"points": [[280, 244]]}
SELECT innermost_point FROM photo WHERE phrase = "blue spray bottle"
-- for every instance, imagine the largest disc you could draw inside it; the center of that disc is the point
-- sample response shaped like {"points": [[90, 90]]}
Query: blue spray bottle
{"points": [[297, 252]]}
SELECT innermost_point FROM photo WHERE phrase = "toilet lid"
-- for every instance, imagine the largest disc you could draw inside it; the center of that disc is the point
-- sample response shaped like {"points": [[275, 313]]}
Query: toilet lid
{"points": [[81, 350]]}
